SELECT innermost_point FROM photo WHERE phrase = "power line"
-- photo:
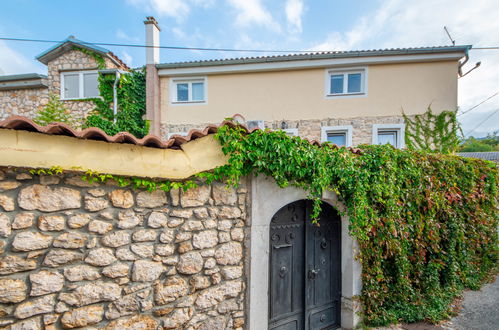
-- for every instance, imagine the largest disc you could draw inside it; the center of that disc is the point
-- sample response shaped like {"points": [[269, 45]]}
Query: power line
{"points": [[164, 47], [475, 106], [493, 113]]}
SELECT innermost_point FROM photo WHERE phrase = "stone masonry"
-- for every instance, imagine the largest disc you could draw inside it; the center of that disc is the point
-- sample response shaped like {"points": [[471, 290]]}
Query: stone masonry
{"points": [[74, 254], [310, 128], [26, 102]]}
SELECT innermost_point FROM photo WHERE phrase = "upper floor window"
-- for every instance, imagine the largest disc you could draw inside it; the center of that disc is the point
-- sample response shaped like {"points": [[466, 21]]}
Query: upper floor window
{"points": [[389, 134], [339, 135], [346, 82], [191, 90], [79, 85]]}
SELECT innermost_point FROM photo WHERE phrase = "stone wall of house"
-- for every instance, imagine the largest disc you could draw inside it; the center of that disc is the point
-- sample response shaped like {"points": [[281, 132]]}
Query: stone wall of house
{"points": [[23, 102], [73, 60], [74, 254], [310, 129]]}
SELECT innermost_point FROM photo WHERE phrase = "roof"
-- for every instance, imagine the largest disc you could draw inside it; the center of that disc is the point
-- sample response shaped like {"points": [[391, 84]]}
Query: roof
{"points": [[486, 155], [68, 44], [319, 56], [93, 133], [22, 81]]}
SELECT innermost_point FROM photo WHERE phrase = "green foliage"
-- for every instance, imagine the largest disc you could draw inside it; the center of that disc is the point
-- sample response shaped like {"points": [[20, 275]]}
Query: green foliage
{"points": [[489, 143], [425, 222], [54, 112], [433, 133], [54, 170], [101, 63], [131, 105]]}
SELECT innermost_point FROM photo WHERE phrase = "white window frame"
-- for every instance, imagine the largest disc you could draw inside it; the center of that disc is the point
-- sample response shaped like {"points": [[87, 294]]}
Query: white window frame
{"points": [[189, 80], [81, 88], [347, 129], [345, 71], [399, 128], [290, 131]]}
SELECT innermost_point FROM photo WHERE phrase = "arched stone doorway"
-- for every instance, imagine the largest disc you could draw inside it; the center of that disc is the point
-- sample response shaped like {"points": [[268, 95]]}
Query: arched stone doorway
{"points": [[304, 268], [266, 200]]}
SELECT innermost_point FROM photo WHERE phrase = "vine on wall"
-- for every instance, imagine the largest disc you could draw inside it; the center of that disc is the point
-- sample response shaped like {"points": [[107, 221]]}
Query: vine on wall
{"points": [[433, 132], [425, 222], [131, 92]]}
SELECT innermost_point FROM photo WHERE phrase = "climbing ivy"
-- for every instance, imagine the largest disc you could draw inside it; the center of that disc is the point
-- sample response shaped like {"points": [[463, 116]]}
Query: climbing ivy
{"points": [[426, 223], [433, 132], [101, 62], [131, 105]]}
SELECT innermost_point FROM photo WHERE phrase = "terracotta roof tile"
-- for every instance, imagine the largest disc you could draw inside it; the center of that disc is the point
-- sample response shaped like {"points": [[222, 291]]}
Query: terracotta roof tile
{"points": [[20, 123]]}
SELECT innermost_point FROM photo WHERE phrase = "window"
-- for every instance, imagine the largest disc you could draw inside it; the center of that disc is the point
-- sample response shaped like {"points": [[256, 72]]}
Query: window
{"points": [[188, 90], [345, 82], [389, 134], [79, 85], [339, 135]]}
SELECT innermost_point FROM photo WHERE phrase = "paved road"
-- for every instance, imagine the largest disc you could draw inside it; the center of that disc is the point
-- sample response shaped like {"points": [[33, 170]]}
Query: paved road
{"points": [[480, 309]]}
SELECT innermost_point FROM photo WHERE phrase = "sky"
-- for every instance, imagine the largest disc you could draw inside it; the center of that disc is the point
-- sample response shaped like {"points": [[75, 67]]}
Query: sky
{"points": [[270, 25]]}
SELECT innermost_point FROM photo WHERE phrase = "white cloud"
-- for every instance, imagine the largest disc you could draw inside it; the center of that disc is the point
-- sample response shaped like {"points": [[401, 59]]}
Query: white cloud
{"points": [[398, 23], [252, 12], [294, 12], [127, 58], [177, 9], [13, 62]]}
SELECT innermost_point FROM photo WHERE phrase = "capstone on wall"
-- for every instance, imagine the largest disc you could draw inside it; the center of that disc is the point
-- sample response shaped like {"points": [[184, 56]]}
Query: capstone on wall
{"points": [[23, 102], [74, 254], [310, 129]]}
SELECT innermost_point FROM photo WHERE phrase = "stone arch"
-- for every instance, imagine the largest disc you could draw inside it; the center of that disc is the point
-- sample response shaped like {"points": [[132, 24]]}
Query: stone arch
{"points": [[266, 199]]}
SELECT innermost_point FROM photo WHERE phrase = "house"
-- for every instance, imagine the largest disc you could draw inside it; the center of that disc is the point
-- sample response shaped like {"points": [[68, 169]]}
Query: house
{"points": [[72, 72], [346, 97], [492, 156]]}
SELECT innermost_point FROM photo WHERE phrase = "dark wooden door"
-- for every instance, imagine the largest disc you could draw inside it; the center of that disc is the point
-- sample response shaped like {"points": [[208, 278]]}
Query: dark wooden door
{"points": [[304, 287]]}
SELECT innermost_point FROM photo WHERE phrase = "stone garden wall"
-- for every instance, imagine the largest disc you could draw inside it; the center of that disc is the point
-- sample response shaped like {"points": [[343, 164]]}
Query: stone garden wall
{"points": [[74, 254]]}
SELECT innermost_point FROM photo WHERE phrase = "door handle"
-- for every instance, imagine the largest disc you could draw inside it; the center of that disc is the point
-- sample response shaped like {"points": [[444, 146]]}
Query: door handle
{"points": [[312, 274]]}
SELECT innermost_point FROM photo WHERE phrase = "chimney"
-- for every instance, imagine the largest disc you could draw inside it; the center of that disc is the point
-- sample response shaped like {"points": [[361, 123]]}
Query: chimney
{"points": [[152, 40], [153, 110]]}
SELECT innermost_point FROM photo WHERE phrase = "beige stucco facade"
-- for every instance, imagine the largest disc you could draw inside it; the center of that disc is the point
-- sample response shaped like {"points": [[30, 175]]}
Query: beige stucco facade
{"points": [[301, 94]]}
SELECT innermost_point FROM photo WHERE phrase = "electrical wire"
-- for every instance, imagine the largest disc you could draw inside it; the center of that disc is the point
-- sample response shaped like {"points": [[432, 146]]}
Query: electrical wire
{"points": [[493, 113], [165, 47], [475, 106]]}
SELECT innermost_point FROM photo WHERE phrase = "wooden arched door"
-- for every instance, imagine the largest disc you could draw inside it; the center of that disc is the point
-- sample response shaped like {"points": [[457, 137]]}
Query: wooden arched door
{"points": [[305, 269]]}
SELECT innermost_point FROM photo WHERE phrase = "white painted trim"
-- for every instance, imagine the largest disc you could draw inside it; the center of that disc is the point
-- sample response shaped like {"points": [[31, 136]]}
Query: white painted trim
{"points": [[81, 90], [304, 64], [291, 131], [363, 70], [190, 80], [400, 128], [267, 198], [348, 129]]}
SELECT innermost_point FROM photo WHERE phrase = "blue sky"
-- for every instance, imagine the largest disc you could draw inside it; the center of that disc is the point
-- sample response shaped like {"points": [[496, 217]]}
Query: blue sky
{"points": [[265, 24]]}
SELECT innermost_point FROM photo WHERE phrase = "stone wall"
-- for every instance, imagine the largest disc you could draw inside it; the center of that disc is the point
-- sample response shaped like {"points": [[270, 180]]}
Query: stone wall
{"points": [[23, 102], [310, 129], [73, 60], [75, 254]]}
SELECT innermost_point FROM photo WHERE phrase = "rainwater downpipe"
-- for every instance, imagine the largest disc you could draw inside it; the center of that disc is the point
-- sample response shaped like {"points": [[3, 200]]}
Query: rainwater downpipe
{"points": [[115, 95]]}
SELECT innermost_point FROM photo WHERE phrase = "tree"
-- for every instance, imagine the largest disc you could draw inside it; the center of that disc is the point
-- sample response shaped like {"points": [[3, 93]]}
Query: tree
{"points": [[489, 143]]}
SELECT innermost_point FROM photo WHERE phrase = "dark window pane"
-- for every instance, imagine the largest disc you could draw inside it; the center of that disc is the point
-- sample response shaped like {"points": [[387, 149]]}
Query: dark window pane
{"points": [[354, 83], [340, 139], [182, 92], [337, 84]]}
